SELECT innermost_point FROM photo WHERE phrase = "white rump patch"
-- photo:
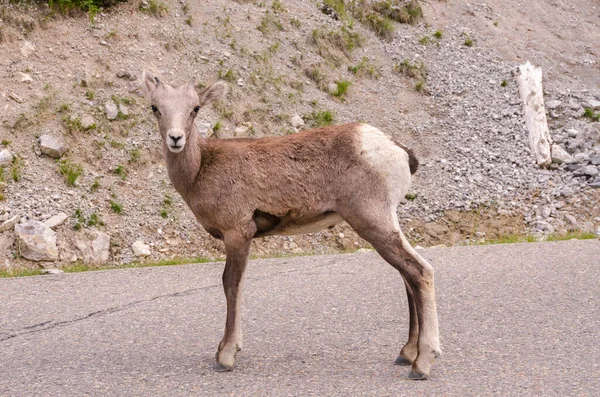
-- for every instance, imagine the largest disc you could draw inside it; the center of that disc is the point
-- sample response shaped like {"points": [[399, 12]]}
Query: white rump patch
{"points": [[387, 159]]}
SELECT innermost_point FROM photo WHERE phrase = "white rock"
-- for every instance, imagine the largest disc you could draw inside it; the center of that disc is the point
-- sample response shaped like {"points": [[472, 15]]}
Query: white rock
{"points": [[553, 104], [241, 130], [52, 147], [88, 122], [26, 78], [296, 121], [560, 155], [94, 246], [140, 249], [36, 241], [332, 88], [6, 157], [123, 109], [594, 104], [56, 220], [9, 224], [111, 110], [27, 48]]}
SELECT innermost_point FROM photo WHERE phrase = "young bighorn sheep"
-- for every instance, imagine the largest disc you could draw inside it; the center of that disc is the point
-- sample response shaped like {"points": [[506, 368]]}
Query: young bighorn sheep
{"points": [[240, 189]]}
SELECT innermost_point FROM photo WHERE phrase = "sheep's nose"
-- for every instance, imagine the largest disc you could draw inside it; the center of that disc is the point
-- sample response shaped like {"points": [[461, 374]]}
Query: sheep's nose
{"points": [[175, 138]]}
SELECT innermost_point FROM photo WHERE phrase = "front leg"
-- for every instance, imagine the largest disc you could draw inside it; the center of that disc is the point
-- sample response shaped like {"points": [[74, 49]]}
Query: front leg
{"points": [[237, 248]]}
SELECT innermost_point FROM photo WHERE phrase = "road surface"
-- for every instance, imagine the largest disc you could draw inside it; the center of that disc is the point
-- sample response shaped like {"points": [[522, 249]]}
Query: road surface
{"points": [[515, 320]]}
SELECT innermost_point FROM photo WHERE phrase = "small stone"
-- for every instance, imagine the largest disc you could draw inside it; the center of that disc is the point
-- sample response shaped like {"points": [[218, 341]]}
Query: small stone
{"points": [[140, 249], [111, 110], [88, 122], [50, 146], [56, 220], [240, 82], [574, 105], [27, 48], [6, 157], [553, 104], [36, 241], [9, 224], [544, 227], [594, 104], [15, 97], [588, 170], [241, 130], [203, 129], [123, 109], [52, 271], [103, 42], [571, 219], [296, 121], [362, 251], [94, 246], [26, 78], [595, 184], [560, 155], [332, 88], [572, 133], [595, 160]]}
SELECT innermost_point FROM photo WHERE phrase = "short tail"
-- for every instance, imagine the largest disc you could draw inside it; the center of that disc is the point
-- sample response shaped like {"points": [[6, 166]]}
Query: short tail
{"points": [[413, 162]]}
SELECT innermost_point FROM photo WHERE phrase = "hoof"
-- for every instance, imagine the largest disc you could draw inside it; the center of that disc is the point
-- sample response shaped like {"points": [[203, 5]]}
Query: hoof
{"points": [[402, 361], [417, 376], [222, 368]]}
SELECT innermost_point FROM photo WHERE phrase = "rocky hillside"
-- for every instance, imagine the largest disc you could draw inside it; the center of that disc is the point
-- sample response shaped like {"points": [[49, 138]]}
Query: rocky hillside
{"points": [[81, 157]]}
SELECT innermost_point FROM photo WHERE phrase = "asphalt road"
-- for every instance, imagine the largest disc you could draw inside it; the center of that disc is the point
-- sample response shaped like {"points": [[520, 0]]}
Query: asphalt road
{"points": [[515, 320]]}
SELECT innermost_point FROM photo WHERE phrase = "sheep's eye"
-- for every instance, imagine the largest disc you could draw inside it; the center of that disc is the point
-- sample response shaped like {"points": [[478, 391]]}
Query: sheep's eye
{"points": [[196, 109], [154, 108]]}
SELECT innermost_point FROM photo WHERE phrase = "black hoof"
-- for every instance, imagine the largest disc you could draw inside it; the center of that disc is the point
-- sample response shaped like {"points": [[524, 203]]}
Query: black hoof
{"points": [[222, 368], [417, 376], [402, 361]]}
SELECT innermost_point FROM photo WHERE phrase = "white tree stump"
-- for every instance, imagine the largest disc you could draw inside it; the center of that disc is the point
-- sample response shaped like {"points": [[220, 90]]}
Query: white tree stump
{"points": [[532, 95]]}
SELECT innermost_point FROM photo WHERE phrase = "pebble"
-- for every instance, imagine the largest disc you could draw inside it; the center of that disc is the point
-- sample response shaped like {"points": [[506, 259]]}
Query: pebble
{"points": [[111, 110], [51, 146]]}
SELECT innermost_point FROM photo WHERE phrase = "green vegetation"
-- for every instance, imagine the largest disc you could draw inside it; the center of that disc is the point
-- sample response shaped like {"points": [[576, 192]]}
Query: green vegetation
{"points": [[341, 89], [504, 83], [189, 20], [90, 94], [81, 267], [121, 171], [228, 75], [116, 207], [378, 16], [96, 185], [589, 113], [15, 168], [71, 171], [438, 34], [5, 142], [135, 155], [155, 8], [468, 41], [320, 118], [364, 68], [335, 44], [269, 23], [411, 69], [410, 196], [420, 86]]}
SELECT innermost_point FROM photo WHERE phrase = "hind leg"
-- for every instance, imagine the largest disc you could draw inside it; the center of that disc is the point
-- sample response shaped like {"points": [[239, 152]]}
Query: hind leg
{"points": [[389, 241], [409, 352]]}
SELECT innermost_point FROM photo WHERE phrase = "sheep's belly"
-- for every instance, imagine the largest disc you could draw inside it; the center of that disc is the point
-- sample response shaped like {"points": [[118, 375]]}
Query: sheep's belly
{"points": [[291, 228]]}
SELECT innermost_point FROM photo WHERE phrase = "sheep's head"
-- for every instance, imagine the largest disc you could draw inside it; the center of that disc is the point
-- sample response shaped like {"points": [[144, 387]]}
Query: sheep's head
{"points": [[175, 108]]}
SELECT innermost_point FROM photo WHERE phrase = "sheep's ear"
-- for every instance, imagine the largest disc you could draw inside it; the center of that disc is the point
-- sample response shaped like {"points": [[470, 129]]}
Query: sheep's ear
{"points": [[213, 92], [149, 83]]}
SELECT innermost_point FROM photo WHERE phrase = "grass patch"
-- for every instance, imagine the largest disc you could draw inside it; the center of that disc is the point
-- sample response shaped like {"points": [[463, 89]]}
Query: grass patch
{"points": [[335, 45], [589, 113], [70, 170], [504, 83], [19, 273], [341, 89], [411, 69], [155, 8], [82, 267], [579, 235], [364, 69], [116, 207], [320, 118]]}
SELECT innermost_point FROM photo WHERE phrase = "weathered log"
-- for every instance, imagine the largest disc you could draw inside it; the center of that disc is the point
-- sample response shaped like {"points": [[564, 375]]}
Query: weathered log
{"points": [[532, 95]]}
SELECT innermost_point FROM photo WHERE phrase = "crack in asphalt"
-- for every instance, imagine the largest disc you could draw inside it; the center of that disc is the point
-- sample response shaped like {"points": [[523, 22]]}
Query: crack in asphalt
{"points": [[49, 325]]}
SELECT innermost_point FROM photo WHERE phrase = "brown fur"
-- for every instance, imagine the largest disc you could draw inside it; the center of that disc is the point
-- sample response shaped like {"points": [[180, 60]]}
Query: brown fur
{"points": [[240, 189]]}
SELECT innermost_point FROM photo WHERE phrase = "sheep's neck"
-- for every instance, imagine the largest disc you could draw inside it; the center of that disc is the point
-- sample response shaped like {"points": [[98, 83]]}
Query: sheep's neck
{"points": [[183, 167]]}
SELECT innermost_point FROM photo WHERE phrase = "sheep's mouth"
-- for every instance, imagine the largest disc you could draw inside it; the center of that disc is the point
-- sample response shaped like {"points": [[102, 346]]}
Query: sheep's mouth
{"points": [[175, 148]]}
